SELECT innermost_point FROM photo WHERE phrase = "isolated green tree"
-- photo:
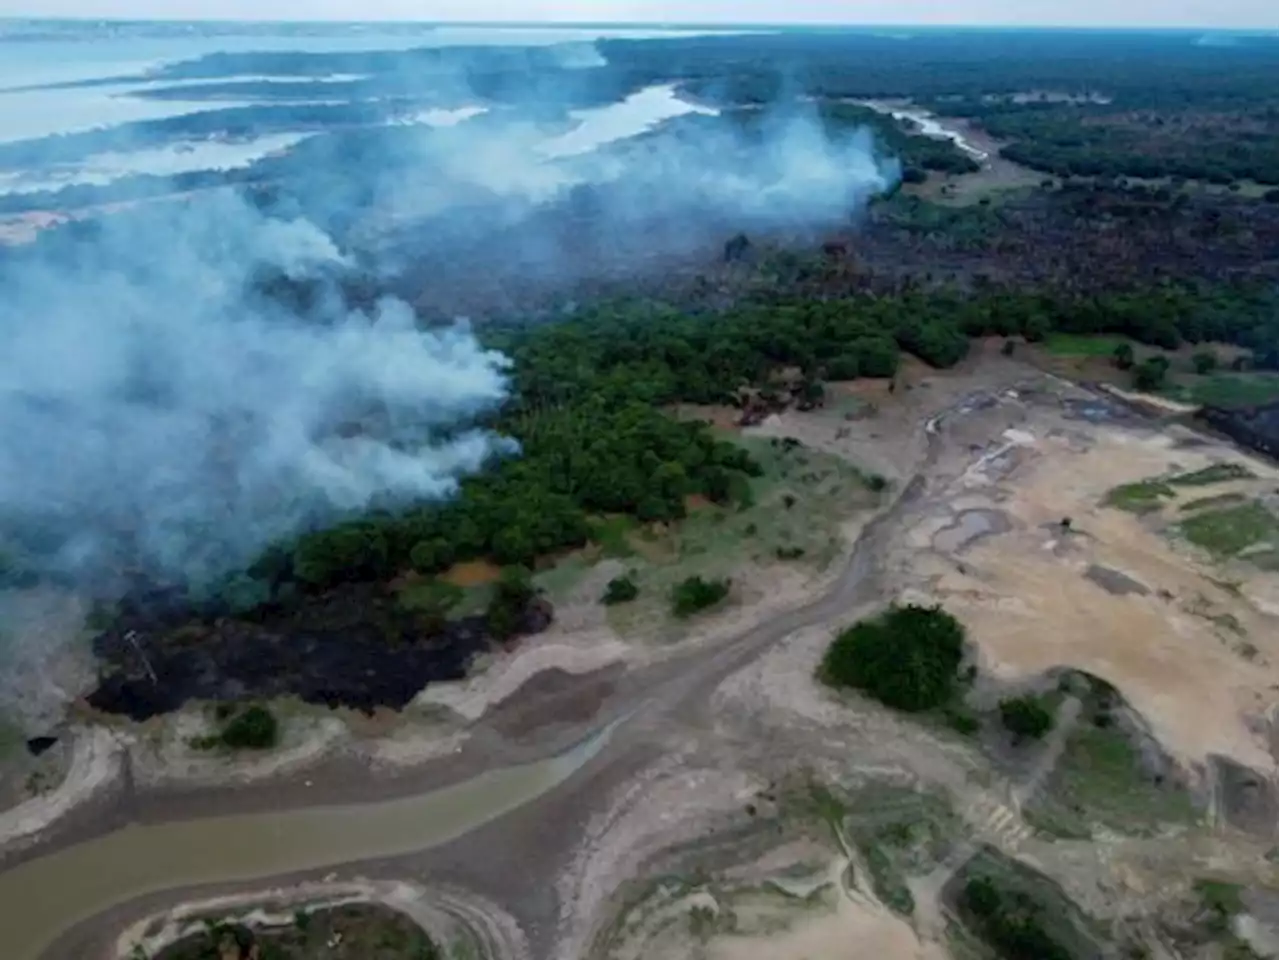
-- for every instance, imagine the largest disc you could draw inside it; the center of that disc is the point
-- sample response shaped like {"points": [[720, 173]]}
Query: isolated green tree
{"points": [[512, 595], [1150, 373], [906, 658], [1026, 717], [1204, 362], [254, 728], [695, 594], [620, 590]]}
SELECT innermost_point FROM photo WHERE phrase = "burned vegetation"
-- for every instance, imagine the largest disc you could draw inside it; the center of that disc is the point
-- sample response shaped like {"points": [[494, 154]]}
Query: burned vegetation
{"points": [[612, 309]]}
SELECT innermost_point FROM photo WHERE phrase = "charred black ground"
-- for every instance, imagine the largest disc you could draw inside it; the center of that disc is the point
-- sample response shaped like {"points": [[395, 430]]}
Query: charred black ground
{"points": [[353, 648]]}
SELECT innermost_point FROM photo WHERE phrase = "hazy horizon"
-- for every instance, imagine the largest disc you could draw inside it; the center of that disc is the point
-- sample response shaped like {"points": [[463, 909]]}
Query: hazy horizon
{"points": [[1095, 14]]}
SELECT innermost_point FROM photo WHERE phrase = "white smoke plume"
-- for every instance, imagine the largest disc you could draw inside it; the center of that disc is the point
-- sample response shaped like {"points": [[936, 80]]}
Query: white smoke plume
{"points": [[156, 408]]}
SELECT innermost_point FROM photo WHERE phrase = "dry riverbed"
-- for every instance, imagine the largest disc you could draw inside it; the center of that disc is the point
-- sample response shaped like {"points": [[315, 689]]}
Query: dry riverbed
{"points": [[694, 833]]}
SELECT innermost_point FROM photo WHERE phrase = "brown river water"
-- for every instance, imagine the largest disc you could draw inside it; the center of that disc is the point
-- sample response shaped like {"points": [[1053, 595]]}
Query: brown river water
{"points": [[43, 897]]}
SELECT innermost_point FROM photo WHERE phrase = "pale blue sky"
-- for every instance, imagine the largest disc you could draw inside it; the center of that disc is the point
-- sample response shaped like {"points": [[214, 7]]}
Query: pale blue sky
{"points": [[1223, 14]]}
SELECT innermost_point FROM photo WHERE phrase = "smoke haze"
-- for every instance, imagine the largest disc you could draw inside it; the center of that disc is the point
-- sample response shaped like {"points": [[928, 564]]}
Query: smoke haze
{"points": [[158, 409]]}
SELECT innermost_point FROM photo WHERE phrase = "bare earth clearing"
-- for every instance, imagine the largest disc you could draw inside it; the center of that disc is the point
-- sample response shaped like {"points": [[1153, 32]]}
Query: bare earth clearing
{"points": [[697, 831]]}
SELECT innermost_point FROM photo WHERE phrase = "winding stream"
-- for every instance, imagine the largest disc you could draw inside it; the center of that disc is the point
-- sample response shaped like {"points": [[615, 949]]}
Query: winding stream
{"points": [[43, 897]]}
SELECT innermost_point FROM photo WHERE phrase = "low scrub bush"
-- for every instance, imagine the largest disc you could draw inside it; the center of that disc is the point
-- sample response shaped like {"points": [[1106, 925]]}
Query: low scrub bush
{"points": [[695, 594]]}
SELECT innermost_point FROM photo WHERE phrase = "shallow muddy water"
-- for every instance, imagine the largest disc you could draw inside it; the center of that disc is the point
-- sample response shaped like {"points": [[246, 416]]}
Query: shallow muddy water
{"points": [[41, 898]]}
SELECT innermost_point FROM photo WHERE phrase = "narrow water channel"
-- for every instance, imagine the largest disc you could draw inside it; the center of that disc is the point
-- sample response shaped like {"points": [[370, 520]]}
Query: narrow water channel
{"points": [[43, 897], [928, 125]]}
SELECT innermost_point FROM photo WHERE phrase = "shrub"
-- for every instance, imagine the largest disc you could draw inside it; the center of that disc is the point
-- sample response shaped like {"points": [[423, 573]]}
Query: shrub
{"points": [[1010, 922], [694, 594], [620, 590], [254, 728], [1204, 362], [1026, 717], [1149, 375], [1123, 356], [906, 658], [512, 595]]}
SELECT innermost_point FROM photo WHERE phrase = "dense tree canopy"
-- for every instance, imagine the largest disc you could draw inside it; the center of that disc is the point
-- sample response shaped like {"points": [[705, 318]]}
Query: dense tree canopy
{"points": [[595, 439]]}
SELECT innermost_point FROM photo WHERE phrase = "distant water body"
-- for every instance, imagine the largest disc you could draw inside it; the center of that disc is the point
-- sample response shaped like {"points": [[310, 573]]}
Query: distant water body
{"points": [[37, 54]]}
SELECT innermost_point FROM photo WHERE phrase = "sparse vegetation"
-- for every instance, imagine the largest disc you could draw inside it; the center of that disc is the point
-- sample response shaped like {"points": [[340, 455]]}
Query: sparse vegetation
{"points": [[906, 658], [1206, 503], [253, 727], [900, 833], [1100, 780], [1141, 497], [1216, 473], [1229, 531]]}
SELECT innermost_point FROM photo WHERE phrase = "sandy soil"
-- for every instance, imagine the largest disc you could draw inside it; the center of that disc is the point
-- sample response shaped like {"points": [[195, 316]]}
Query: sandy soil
{"points": [[97, 757], [1029, 606], [850, 930]]}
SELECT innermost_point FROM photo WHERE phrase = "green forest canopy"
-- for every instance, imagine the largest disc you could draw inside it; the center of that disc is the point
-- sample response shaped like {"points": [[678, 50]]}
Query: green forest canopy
{"points": [[588, 411]]}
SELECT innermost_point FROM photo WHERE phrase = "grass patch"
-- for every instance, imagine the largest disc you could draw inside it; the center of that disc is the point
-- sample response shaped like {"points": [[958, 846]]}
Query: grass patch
{"points": [[792, 511], [1227, 389], [1227, 532], [1083, 345], [1219, 897], [447, 600], [1141, 497], [1215, 473], [900, 833], [1099, 780], [613, 534], [558, 581], [1206, 503]]}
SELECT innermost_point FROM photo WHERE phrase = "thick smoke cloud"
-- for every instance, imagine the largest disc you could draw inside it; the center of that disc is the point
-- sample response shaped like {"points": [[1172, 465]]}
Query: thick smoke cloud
{"points": [[157, 408]]}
